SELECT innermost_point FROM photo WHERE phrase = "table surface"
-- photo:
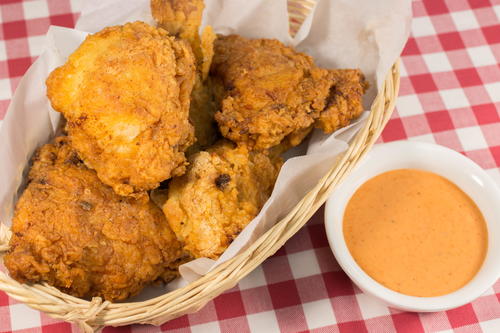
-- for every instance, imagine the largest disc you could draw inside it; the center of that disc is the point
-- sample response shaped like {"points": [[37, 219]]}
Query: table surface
{"points": [[450, 95]]}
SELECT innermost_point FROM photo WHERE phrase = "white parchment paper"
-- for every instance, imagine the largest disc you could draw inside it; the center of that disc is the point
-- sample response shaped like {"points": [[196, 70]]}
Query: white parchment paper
{"points": [[362, 34]]}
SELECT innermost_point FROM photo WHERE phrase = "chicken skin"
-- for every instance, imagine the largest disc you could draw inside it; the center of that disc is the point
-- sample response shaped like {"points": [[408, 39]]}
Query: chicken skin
{"points": [[268, 93], [344, 101], [222, 191], [182, 18], [76, 234], [125, 93]]}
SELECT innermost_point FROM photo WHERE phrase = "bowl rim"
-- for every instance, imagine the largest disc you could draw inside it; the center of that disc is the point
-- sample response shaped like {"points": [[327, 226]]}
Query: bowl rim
{"points": [[397, 155]]}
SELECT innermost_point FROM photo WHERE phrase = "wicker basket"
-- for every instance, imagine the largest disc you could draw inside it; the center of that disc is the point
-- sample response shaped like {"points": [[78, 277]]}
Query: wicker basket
{"points": [[90, 316]]}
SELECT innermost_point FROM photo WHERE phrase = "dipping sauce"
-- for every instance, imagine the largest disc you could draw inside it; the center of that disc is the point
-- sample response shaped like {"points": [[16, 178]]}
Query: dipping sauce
{"points": [[415, 232]]}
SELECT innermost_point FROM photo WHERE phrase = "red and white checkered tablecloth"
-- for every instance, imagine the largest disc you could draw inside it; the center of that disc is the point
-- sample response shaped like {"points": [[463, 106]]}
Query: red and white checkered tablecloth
{"points": [[450, 95]]}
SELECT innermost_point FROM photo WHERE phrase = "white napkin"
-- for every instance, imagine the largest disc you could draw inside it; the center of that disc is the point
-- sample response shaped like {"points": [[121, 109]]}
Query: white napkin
{"points": [[338, 33]]}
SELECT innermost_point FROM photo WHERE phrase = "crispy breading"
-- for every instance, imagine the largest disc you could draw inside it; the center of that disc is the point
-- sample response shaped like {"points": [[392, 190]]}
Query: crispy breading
{"points": [[222, 191], [208, 38], [126, 93], [344, 101], [76, 234], [203, 108], [201, 115], [267, 92], [182, 18]]}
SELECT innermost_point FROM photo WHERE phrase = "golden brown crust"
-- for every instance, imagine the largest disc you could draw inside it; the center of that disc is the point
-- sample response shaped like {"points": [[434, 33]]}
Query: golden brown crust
{"points": [[75, 233], [126, 93], [203, 106], [268, 92], [208, 38], [182, 18], [345, 101], [223, 190], [201, 116]]}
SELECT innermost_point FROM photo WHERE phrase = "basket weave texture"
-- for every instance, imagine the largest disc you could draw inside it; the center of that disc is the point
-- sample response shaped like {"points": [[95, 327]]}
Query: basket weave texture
{"points": [[94, 314]]}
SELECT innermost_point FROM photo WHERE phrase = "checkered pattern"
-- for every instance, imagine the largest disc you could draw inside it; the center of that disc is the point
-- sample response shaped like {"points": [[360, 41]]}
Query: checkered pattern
{"points": [[450, 95], [23, 25]]}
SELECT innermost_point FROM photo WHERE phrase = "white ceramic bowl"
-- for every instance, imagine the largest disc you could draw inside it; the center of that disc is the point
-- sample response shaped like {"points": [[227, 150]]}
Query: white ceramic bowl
{"points": [[445, 162]]}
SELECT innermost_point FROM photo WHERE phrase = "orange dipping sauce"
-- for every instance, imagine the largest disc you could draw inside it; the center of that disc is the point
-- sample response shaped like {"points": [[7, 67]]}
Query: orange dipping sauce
{"points": [[415, 232]]}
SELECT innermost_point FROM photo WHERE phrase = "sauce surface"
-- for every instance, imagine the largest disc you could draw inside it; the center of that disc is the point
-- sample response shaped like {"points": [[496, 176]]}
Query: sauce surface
{"points": [[415, 232]]}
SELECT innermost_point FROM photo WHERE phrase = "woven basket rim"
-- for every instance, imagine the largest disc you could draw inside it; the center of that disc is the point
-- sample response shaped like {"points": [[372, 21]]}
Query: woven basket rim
{"points": [[94, 314], [91, 315]]}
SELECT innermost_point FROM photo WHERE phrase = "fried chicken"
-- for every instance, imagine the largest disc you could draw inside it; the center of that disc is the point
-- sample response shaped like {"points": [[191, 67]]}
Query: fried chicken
{"points": [[344, 101], [201, 115], [222, 191], [182, 18], [268, 93], [76, 234], [126, 93]]}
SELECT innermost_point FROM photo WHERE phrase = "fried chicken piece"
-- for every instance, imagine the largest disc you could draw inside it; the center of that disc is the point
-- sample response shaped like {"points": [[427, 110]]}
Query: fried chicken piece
{"points": [[208, 38], [182, 18], [126, 93], [201, 115], [76, 234], [344, 101], [223, 190], [268, 93]]}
